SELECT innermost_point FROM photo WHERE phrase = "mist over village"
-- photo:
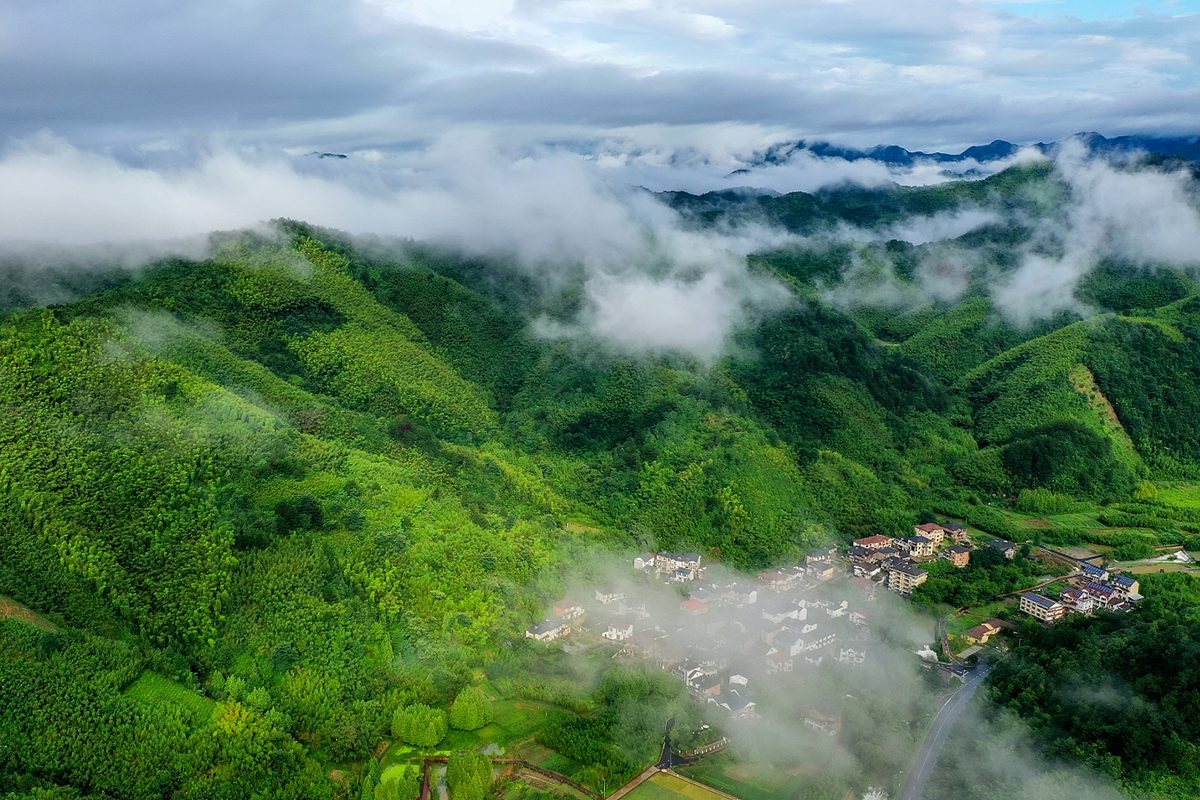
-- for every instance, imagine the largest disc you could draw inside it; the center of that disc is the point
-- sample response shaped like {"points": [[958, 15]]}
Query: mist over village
{"points": [[578, 400]]}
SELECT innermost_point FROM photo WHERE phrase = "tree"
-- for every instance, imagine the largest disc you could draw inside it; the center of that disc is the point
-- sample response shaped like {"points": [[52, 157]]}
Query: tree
{"points": [[419, 725], [469, 776], [405, 785], [471, 710]]}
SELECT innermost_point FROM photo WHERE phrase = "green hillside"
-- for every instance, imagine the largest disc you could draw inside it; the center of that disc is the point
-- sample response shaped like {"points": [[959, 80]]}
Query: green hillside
{"points": [[273, 497]]}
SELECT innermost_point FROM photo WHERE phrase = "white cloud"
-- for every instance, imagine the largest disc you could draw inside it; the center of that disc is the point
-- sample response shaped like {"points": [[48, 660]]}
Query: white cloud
{"points": [[649, 284], [1144, 216]]}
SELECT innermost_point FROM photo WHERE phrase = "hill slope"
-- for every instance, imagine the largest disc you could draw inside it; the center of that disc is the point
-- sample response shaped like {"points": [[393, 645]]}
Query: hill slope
{"points": [[299, 485]]}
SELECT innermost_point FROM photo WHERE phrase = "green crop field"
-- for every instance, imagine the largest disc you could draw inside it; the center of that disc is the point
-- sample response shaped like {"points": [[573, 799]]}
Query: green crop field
{"points": [[1179, 495], [518, 719], [747, 781], [670, 787]]}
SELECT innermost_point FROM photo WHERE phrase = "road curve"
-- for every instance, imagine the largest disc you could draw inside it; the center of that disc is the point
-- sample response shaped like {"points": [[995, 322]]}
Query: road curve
{"points": [[939, 731]]}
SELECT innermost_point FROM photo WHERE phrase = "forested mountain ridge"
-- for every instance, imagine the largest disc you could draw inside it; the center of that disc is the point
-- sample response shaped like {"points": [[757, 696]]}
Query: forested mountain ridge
{"points": [[313, 483]]}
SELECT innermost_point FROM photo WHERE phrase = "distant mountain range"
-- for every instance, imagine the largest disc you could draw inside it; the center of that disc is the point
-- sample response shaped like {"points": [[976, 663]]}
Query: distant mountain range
{"points": [[1185, 147]]}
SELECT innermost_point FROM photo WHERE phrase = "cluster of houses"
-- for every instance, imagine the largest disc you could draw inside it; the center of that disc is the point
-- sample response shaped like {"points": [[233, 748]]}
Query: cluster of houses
{"points": [[895, 562], [1092, 588], [721, 637], [673, 567]]}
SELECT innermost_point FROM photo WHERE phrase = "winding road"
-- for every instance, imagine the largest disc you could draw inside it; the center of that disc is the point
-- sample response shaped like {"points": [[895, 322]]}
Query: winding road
{"points": [[952, 708]]}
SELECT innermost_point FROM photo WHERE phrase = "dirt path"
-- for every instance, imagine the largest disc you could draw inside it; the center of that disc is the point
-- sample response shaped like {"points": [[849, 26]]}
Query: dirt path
{"points": [[11, 608]]}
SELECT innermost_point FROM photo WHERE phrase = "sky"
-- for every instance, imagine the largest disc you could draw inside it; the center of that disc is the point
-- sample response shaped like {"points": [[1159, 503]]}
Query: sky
{"points": [[372, 77]]}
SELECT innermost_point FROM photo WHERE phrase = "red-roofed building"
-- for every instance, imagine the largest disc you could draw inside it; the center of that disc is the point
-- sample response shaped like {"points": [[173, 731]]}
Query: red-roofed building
{"points": [[694, 606], [875, 542], [931, 531], [982, 632], [568, 609]]}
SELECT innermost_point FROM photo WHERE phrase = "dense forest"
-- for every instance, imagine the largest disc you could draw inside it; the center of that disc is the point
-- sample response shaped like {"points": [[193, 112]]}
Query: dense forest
{"points": [[1118, 692], [273, 507]]}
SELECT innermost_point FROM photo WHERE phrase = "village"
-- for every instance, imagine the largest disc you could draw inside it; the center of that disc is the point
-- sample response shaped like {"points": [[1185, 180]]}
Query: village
{"points": [[721, 633], [896, 563]]}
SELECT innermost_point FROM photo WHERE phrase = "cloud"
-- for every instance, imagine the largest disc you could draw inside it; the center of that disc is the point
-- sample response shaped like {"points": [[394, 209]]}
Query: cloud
{"points": [[938, 227], [1140, 215], [648, 283], [994, 748], [730, 158]]}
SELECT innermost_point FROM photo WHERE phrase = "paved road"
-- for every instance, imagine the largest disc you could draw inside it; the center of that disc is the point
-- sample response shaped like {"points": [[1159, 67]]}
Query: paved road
{"points": [[939, 731]]}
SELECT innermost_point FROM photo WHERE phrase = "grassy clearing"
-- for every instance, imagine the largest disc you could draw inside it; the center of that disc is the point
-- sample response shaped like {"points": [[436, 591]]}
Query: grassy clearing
{"points": [[150, 687], [397, 771], [562, 765], [1054, 589], [1079, 551], [518, 719], [1085, 383], [1074, 520], [958, 624]]}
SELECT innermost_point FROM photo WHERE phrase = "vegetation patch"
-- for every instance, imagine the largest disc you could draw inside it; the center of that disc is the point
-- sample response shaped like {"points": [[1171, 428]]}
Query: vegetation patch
{"points": [[151, 687]]}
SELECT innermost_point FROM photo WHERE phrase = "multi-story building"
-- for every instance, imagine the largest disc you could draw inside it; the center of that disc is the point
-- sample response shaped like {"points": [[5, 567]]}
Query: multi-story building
{"points": [[1125, 585], [1101, 595], [568, 609], [607, 596], [864, 567], [981, 633], [1004, 548], [1042, 608], [956, 532], [918, 546], [618, 630], [904, 576], [849, 655], [821, 570], [549, 630], [931, 531], [1078, 601], [679, 567], [958, 555]]}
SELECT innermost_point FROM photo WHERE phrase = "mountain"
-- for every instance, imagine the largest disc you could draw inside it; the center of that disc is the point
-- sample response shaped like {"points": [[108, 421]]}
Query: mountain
{"points": [[261, 508], [1183, 147]]}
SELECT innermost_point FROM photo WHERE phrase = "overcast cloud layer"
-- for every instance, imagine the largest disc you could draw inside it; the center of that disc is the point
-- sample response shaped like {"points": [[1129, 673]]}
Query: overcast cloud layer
{"points": [[650, 283], [718, 75]]}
